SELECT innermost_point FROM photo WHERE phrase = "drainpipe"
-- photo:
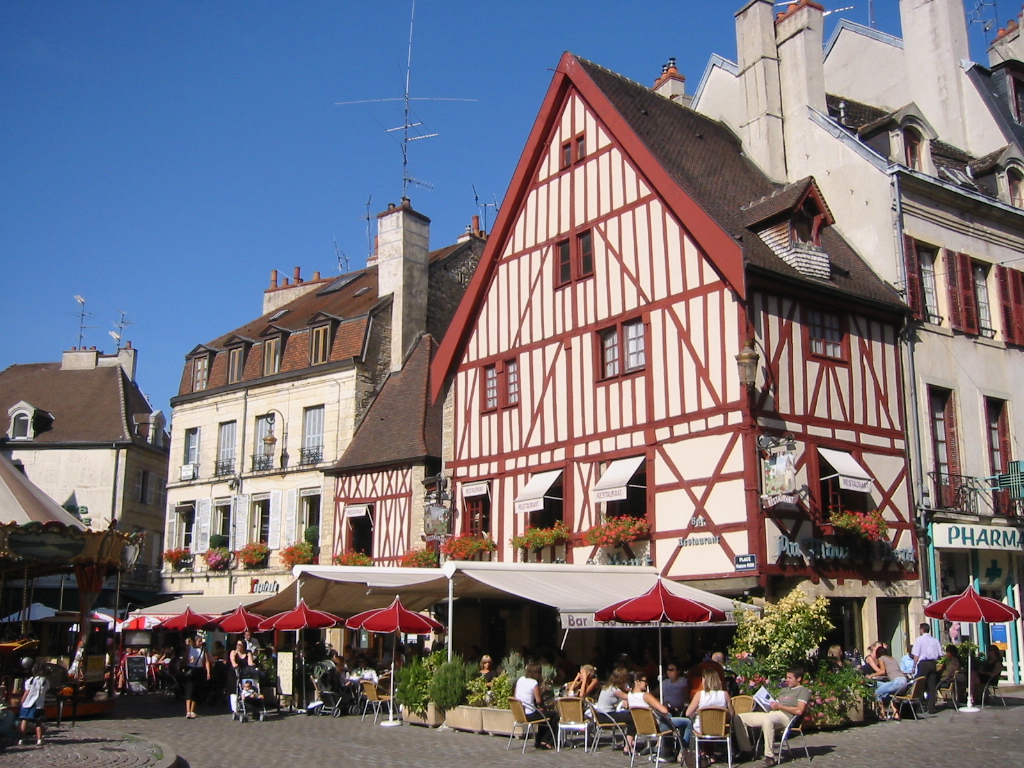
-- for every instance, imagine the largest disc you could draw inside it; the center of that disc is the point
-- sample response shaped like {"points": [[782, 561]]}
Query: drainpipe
{"points": [[113, 488], [926, 568]]}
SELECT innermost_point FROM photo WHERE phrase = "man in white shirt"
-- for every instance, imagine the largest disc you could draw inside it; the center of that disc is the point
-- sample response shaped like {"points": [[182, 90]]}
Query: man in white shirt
{"points": [[926, 652]]}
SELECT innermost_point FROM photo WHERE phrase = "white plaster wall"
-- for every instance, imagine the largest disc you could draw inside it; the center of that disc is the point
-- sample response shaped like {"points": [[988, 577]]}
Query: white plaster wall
{"points": [[87, 475], [867, 70]]}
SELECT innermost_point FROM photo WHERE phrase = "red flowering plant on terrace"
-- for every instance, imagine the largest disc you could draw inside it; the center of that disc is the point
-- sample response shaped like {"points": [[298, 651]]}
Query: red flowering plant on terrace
{"points": [[217, 558], [420, 558], [254, 555], [538, 538], [467, 547], [617, 531], [870, 525], [352, 558], [299, 553]]}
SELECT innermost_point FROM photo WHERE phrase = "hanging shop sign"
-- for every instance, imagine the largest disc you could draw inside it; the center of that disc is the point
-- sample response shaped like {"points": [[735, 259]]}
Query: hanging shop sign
{"points": [[778, 475], [957, 536]]}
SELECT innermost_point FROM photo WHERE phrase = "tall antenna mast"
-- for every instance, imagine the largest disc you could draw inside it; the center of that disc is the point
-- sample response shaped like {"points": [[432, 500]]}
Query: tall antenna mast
{"points": [[81, 314], [121, 324], [871, 14], [484, 206]]}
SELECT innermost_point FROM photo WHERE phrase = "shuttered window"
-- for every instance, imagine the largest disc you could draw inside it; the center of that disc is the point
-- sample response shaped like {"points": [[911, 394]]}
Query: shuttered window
{"points": [[945, 449]]}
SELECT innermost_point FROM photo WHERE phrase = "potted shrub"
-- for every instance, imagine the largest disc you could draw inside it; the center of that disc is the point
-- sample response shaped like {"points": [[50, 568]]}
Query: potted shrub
{"points": [[253, 555], [352, 558], [412, 694], [219, 540], [537, 538], [217, 558], [420, 558], [467, 547], [447, 690], [178, 559], [617, 531], [300, 553]]}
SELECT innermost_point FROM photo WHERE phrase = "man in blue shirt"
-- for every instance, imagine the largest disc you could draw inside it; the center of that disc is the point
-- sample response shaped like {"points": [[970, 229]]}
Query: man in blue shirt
{"points": [[926, 652]]}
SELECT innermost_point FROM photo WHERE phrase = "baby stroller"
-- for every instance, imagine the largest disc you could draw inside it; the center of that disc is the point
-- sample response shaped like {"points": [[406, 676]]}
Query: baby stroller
{"points": [[248, 701], [335, 698]]}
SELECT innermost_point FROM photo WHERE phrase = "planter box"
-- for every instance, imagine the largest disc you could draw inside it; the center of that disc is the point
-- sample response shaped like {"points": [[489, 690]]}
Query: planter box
{"points": [[431, 719], [855, 713], [465, 719], [497, 722]]}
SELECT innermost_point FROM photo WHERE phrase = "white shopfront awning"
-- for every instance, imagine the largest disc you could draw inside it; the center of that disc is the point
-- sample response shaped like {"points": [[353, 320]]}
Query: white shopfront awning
{"points": [[614, 482], [357, 510], [531, 498], [852, 476], [211, 605]]}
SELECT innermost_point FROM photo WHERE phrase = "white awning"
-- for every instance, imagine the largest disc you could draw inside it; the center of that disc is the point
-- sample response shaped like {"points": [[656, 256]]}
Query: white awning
{"points": [[612, 485], [481, 488], [211, 605], [357, 510], [531, 498], [852, 476]]}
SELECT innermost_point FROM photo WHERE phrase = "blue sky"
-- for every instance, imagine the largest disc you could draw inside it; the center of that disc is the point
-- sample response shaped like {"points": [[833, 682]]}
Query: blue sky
{"points": [[162, 157]]}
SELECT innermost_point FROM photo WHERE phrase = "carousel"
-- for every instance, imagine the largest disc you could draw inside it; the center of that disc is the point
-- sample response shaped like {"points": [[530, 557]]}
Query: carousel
{"points": [[39, 538]]}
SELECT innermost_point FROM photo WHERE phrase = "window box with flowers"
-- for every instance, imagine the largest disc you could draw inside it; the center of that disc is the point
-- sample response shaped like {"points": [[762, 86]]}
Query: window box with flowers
{"points": [[420, 558], [352, 558], [299, 553], [617, 531], [867, 525], [254, 555], [179, 559], [533, 539], [217, 558], [467, 547]]}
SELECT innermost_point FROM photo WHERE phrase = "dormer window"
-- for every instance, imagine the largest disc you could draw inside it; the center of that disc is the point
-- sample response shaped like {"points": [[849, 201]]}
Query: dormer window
{"points": [[200, 372], [1017, 98], [21, 425], [236, 364], [271, 356], [805, 227], [913, 149], [1015, 187]]}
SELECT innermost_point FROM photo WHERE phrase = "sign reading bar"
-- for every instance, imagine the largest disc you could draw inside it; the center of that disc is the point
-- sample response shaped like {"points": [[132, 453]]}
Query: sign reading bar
{"points": [[745, 562], [956, 536]]}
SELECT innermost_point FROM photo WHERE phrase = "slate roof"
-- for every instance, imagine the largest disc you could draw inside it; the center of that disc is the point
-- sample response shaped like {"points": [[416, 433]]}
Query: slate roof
{"points": [[779, 202], [400, 426], [994, 86], [87, 406], [706, 160], [852, 114]]}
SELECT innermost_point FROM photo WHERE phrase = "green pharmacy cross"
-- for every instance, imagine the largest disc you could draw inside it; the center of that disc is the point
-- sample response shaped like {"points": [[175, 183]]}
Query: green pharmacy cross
{"points": [[1012, 480]]}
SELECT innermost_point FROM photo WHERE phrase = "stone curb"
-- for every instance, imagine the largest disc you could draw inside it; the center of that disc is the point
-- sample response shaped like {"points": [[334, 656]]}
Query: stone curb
{"points": [[170, 757]]}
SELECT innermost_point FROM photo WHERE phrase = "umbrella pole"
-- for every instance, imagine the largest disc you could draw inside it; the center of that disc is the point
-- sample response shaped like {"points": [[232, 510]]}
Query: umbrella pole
{"points": [[661, 670], [391, 722], [970, 678]]}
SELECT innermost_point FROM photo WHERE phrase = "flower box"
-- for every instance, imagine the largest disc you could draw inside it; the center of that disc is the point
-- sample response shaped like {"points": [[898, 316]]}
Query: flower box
{"points": [[431, 719], [464, 718], [533, 539], [617, 531], [467, 547], [867, 525]]}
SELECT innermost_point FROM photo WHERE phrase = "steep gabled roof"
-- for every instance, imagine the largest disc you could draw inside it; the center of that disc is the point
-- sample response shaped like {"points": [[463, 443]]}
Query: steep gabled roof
{"points": [[87, 406], [785, 200], [400, 426], [695, 164]]}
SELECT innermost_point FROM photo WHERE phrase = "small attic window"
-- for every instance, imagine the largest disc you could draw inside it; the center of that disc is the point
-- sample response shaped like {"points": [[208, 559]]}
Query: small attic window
{"points": [[913, 149], [21, 426], [805, 226], [1015, 187], [278, 315], [1017, 98]]}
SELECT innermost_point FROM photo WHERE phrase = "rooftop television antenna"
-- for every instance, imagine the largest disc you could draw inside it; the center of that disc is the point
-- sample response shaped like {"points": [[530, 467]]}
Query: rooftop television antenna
{"points": [[988, 19], [342, 258], [122, 323], [82, 314], [484, 206], [406, 124]]}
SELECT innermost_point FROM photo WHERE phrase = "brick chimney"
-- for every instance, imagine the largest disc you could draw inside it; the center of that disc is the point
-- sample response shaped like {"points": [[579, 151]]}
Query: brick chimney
{"points": [[279, 294], [403, 246], [758, 61], [934, 44], [799, 37], [1008, 45]]}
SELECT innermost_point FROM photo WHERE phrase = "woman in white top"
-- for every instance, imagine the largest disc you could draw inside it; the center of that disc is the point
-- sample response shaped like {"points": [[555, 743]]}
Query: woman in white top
{"points": [[529, 694], [641, 698], [711, 695], [613, 696]]}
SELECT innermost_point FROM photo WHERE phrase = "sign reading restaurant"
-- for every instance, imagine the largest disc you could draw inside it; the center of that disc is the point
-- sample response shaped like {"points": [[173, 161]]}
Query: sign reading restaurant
{"points": [[957, 536]]}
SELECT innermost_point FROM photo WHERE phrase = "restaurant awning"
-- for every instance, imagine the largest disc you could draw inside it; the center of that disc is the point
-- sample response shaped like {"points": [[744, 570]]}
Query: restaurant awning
{"points": [[613, 483], [211, 605], [531, 498], [356, 510], [852, 476]]}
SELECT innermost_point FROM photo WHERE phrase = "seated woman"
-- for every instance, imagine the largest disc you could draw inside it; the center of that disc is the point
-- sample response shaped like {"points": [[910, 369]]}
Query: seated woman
{"points": [[896, 680], [487, 670], [835, 658], [610, 701], [950, 669], [711, 695], [871, 667], [585, 684], [990, 671], [641, 698], [530, 694]]}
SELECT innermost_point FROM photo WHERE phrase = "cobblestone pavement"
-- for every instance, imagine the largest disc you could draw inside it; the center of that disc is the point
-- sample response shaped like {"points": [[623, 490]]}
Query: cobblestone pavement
{"points": [[992, 737]]}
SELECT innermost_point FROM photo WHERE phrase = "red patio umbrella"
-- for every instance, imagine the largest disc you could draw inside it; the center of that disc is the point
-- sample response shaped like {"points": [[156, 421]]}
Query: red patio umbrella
{"points": [[239, 620], [971, 607], [300, 617], [186, 621], [394, 619], [140, 622], [659, 606]]}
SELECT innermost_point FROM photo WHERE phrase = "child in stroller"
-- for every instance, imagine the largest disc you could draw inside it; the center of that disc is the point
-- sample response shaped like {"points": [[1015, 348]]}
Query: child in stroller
{"points": [[248, 701]]}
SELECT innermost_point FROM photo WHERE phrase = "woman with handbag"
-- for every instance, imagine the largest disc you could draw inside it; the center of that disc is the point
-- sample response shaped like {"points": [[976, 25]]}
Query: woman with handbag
{"points": [[197, 671]]}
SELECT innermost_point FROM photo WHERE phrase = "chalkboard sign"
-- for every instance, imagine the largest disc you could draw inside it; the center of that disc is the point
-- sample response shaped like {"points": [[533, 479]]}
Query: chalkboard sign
{"points": [[136, 669]]}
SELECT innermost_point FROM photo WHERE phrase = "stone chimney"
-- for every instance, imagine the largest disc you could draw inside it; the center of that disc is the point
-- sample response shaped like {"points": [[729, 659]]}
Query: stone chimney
{"points": [[403, 247], [671, 84], [758, 60], [934, 44], [799, 37], [76, 359], [279, 294], [1008, 45], [126, 359]]}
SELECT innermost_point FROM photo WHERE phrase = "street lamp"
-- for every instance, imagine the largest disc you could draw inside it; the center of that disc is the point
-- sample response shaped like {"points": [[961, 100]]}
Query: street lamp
{"points": [[746, 364]]}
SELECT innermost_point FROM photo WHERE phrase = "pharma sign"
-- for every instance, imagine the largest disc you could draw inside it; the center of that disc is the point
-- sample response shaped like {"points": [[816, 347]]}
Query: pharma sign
{"points": [[956, 536]]}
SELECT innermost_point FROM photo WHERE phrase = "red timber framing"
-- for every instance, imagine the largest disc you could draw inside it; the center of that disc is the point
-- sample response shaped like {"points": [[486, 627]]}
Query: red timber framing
{"points": [[390, 492], [660, 258]]}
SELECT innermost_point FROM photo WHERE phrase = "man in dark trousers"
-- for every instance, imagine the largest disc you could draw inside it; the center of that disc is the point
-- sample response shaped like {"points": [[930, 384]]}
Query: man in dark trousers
{"points": [[926, 652]]}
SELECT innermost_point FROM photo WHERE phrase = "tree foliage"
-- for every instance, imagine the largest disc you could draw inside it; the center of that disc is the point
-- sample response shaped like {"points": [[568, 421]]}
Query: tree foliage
{"points": [[785, 633]]}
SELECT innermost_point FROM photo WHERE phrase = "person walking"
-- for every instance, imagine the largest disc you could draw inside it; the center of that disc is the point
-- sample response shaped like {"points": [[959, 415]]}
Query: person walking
{"points": [[926, 653], [197, 672], [32, 704]]}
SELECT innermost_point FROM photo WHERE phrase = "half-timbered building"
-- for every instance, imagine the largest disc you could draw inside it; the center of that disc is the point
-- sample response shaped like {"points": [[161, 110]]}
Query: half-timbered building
{"points": [[667, 358], [265, 410]]}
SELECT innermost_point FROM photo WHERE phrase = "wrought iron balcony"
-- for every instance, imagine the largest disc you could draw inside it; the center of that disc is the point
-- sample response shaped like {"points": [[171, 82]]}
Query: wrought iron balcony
{"points": [[141, 575], [973, 496], [223, 467], [311, 455], [262, 462]]}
